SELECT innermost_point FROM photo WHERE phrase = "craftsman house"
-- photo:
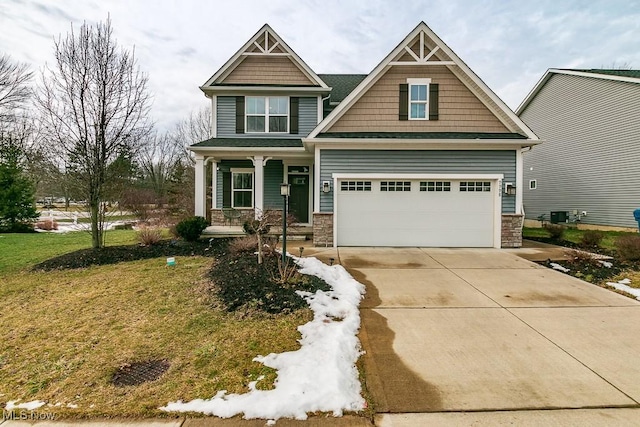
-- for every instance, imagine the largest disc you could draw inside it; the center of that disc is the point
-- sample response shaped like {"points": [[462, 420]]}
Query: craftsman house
{"points": [[587, 169], [419, 152]]}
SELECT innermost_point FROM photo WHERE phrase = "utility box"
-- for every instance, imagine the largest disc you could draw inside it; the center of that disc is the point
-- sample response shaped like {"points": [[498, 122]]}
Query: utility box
{"points": [[559, 217]]}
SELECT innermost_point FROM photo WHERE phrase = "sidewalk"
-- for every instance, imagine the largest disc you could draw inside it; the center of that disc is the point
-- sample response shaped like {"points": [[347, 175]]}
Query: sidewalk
{"points": [[346, 421]]}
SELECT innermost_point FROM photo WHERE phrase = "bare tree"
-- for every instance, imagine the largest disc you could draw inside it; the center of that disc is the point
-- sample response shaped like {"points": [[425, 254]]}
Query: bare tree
{"points": [[158, 161], [94, 105], [193, 129], [15, 90]]}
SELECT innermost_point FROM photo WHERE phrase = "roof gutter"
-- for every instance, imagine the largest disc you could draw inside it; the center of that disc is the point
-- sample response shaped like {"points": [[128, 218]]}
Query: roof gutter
{"points": [[429, 144]]}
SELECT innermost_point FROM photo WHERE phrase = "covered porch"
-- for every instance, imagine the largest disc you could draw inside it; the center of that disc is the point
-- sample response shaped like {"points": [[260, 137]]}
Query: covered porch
{"points": [[232, 186]]}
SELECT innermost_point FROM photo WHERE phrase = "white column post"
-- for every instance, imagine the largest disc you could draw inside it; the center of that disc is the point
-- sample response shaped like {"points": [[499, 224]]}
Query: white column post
{"points": [[519, 181], [258, 188], [214, 182], [201, 195]]}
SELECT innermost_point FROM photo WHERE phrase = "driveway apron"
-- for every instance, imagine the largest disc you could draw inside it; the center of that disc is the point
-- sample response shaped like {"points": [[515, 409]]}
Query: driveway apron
{"points": [[447, 330]]}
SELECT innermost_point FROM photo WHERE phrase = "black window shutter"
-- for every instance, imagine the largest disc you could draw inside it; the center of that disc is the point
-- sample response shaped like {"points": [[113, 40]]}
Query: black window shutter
{"points": [[403, 112], [294, 106], [433, 101], [226, 189], [239, 114]]}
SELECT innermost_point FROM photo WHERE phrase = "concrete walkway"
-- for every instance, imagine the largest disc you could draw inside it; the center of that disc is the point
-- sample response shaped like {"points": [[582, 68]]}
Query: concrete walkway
{"points": [[482, 336]]}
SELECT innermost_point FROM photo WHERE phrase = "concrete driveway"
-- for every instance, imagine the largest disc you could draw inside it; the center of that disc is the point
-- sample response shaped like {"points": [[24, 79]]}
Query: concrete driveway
{"points": [[459, 336]]}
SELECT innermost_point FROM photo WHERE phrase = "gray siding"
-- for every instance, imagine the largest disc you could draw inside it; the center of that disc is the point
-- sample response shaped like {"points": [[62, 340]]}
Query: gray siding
{"points": [[226, 119], [409, 161], [273, 177], [590, 160]]}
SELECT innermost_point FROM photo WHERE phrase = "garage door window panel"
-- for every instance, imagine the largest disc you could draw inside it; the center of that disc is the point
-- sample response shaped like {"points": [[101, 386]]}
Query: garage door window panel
{"points": [[475, 186], [355, 186], [439, 186], [393, 186]]}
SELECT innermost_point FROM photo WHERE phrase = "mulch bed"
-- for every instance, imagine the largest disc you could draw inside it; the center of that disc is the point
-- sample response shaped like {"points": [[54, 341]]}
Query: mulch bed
{"points": [[84, 258]]}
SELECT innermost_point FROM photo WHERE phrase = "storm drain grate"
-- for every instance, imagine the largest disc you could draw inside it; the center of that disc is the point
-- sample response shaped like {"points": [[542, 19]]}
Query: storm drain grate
{"points": [[139, 372]]}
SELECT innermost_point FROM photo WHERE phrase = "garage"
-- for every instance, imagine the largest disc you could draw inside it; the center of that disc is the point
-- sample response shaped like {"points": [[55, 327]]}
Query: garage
{"points": [[409, 211]]}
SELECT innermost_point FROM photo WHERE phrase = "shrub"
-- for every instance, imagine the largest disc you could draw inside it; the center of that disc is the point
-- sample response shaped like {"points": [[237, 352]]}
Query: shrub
{"points": [[191, 228], [47, 224], [149, 236], [628, 247], [591, 238], [555, 231], [243, 245]]}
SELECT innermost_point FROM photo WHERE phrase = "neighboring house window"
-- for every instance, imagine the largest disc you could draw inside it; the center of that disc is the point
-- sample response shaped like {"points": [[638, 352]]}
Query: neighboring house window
{"points": [[242, 188], [435, 186], [471, 186], [395, 186], [355, 186], [533, 184], [267, 114]]}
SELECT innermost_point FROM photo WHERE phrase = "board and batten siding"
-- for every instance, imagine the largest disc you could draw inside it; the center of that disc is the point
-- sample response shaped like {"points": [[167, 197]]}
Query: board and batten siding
{"points": [[459, 110], [226, 119], [590, 157], [415, 162], [273, 177]]}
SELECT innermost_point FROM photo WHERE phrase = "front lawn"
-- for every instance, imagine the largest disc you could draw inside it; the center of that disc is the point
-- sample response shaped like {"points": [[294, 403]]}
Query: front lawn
{"points": [[67, 332]]}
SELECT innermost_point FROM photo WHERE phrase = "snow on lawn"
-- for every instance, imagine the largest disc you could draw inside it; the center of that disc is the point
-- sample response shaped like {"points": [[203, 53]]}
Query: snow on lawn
{"points": [[622, 285], [321, 375], [559, 267], [29, 406]]}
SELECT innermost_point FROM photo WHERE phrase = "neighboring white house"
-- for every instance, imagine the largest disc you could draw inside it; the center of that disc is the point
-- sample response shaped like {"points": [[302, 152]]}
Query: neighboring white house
{"points": [[419, 152], [590, 161]]}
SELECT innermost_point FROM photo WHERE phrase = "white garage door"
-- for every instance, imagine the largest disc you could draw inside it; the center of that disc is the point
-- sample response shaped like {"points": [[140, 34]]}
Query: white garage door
{"points": [[397, 212]]}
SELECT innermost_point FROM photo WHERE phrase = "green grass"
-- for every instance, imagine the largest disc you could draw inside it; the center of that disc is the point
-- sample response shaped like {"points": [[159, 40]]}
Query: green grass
{"points": [[66, 332], [19, 251], [574, 235]]}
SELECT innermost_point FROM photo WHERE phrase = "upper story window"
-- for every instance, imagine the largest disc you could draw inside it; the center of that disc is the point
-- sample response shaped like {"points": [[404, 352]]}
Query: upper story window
{"points": [[418, 99], [267, 114]]}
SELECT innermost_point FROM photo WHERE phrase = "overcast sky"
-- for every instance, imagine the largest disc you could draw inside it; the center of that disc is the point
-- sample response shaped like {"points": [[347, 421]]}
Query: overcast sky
{"points": [[181, 43]]}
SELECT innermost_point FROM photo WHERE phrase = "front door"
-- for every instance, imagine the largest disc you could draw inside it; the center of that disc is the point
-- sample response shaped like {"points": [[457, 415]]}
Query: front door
{"points": [[299, 198]]}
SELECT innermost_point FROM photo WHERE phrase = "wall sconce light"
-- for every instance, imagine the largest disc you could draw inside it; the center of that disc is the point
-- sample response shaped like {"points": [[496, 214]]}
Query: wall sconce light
{"points": [[326, 186], [509, 189]]}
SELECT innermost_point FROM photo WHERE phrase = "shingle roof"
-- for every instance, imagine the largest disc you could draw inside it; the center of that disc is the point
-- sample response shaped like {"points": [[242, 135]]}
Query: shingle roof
{"points": [[621, 73], [341, 84], [250, 143], [422, 135]]}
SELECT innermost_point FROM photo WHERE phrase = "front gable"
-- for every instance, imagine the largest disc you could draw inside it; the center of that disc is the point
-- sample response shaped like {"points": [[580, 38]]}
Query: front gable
{"points": [[463, 102], [264, 60], [459, 110]]}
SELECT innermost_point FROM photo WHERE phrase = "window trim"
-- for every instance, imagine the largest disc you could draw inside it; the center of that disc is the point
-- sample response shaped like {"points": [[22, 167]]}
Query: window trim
{"points": [[418, 82], [252, 190], [266, 114], [533, 184]]}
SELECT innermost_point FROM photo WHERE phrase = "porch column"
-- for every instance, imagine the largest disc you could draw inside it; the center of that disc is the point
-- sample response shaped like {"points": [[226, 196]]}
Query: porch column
{"points": [[214, 182], [258, 164], [201, 195]]}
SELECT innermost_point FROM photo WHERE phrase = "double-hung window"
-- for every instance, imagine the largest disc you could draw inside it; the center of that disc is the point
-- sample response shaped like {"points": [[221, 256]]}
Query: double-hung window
{"points": [[418, 99], [242, 188], [267, 114]]}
